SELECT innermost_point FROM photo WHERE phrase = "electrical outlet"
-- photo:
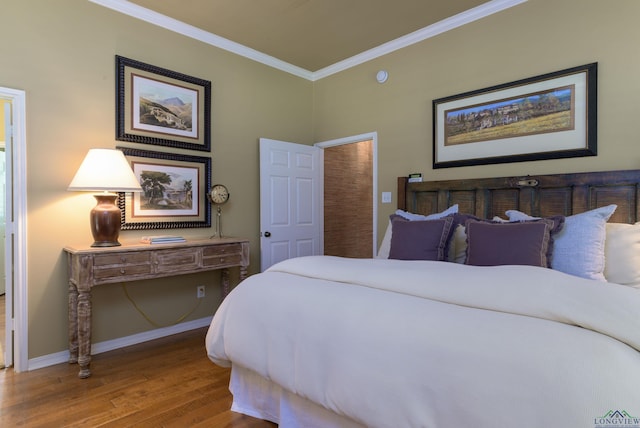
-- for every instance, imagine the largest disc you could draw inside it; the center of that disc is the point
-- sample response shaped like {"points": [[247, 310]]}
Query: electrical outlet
{"points": [[200, 291]]}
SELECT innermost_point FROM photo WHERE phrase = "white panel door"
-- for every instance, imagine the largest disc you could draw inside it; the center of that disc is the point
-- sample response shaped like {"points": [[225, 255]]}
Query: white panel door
{"points": [[291, 209]]}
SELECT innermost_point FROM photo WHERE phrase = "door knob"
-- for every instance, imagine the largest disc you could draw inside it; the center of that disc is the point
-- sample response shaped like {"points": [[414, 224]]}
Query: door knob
{"points": [[267, 234]]}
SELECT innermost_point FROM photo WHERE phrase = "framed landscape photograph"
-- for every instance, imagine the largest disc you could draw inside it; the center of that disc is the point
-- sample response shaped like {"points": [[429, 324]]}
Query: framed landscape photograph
{"points": [[162, 107], [174, 191], [550, 116]]}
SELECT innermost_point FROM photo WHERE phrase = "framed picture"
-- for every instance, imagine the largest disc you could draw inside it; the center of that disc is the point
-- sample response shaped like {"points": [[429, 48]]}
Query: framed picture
{"points": [[174, 191], [550, 116], [162, 107]]}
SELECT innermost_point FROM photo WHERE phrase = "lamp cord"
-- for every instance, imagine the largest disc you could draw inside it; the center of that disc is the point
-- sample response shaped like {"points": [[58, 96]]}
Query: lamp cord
{"points": [[155, 324]]}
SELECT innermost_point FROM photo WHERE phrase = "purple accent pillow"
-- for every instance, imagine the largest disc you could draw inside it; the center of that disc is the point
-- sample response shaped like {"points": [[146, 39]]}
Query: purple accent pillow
{"points": [[420, 239], [511, 243]]}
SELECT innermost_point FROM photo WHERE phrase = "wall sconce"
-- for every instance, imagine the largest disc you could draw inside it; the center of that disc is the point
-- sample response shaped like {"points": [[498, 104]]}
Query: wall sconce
{"points": [[105, 170], [382, 76]]}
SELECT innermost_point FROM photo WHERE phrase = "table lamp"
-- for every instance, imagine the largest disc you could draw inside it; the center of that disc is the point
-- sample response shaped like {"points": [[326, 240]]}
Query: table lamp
{"points": [[105, 170]]}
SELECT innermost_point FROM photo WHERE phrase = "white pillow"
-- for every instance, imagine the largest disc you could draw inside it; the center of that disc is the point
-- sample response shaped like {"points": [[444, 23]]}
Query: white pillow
{"points": [[578, 248], [622, 254], [385, 245], [411, 216], [458, 247]]}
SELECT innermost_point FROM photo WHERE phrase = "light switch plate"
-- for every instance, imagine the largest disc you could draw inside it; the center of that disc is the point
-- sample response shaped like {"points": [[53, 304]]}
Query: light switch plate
{"points": [[386, 197]]}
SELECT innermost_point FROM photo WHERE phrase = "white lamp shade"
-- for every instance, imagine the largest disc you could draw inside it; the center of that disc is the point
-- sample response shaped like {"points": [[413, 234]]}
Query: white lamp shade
{"points": [[105, 170]]}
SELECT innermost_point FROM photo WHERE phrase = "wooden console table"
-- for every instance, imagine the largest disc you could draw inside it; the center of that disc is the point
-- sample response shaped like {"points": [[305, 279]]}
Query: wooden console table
{"points": [[89, 266]]}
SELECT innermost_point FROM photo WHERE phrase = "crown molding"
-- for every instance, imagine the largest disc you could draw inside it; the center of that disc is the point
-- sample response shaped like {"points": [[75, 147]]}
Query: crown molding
{"points": [[180, 27], [425, 33], [147, 15]]}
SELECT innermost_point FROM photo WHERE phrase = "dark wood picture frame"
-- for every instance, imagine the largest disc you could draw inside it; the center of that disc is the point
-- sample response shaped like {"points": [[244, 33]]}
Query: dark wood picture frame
{"points": [[550, 116], [174, 193], [161, 107]]}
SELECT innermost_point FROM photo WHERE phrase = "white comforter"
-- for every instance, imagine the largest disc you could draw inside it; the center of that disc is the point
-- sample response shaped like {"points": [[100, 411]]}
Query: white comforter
{"points": [[392, 343]]}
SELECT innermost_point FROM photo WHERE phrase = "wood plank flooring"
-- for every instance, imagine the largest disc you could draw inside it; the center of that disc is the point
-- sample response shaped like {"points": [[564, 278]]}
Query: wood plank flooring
{"points": [[168, 382]]}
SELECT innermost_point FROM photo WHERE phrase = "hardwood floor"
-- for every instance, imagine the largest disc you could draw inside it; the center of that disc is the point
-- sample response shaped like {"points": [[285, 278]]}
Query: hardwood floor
{"points": [[168, 382]]}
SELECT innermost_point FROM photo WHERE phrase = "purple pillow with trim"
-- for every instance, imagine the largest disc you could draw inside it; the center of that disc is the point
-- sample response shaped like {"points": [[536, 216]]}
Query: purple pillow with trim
{"points": [[513, 243], [420, 239]]}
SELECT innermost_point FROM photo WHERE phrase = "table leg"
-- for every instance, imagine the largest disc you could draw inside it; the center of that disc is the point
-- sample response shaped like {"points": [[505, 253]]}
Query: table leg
{"points": [[73, 323], [84, 333], [225, 282]]}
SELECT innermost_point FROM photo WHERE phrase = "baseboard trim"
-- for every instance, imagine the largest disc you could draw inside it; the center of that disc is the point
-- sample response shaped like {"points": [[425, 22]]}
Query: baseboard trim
{"points": [[122, 342]]}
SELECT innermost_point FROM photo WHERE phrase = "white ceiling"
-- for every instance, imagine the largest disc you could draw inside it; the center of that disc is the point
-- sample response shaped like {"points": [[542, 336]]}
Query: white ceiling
{"points": [[310, 38]]}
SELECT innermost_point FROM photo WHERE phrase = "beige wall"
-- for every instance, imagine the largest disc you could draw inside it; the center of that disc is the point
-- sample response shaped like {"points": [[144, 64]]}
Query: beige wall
{"points": [[536, 37], [62, 54]]}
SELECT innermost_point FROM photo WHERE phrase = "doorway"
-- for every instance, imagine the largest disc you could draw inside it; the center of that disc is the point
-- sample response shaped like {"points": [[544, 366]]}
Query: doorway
{"points": [[15, 344], [284, 250], [348, 199], [350, 189], [5, 108]]}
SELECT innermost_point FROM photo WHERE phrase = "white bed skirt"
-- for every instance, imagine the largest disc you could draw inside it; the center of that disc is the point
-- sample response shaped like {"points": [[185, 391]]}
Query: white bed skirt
{"points": [[260, 398]]}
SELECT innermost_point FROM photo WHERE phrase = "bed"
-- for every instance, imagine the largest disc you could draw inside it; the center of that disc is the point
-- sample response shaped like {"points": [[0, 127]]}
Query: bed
{"points": [[519, 305]]}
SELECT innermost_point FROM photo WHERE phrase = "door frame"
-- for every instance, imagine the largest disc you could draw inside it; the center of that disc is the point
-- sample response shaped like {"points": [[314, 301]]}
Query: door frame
{"points": [[373, 136], [16, 233]]}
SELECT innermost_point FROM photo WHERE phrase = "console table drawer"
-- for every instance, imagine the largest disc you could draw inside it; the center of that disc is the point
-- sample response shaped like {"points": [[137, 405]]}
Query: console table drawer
{"points": [[122, 258], [222, 260], [125, 271], [176, 260], [222, 250]]}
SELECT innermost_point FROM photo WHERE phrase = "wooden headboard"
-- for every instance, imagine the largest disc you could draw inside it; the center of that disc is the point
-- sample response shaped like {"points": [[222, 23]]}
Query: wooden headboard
{"points": [[539, 195]]}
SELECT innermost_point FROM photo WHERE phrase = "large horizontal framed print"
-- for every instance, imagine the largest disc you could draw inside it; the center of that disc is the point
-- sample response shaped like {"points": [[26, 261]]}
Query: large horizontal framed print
{"points": [[162, 107], [550, 116], [174, 191]]}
